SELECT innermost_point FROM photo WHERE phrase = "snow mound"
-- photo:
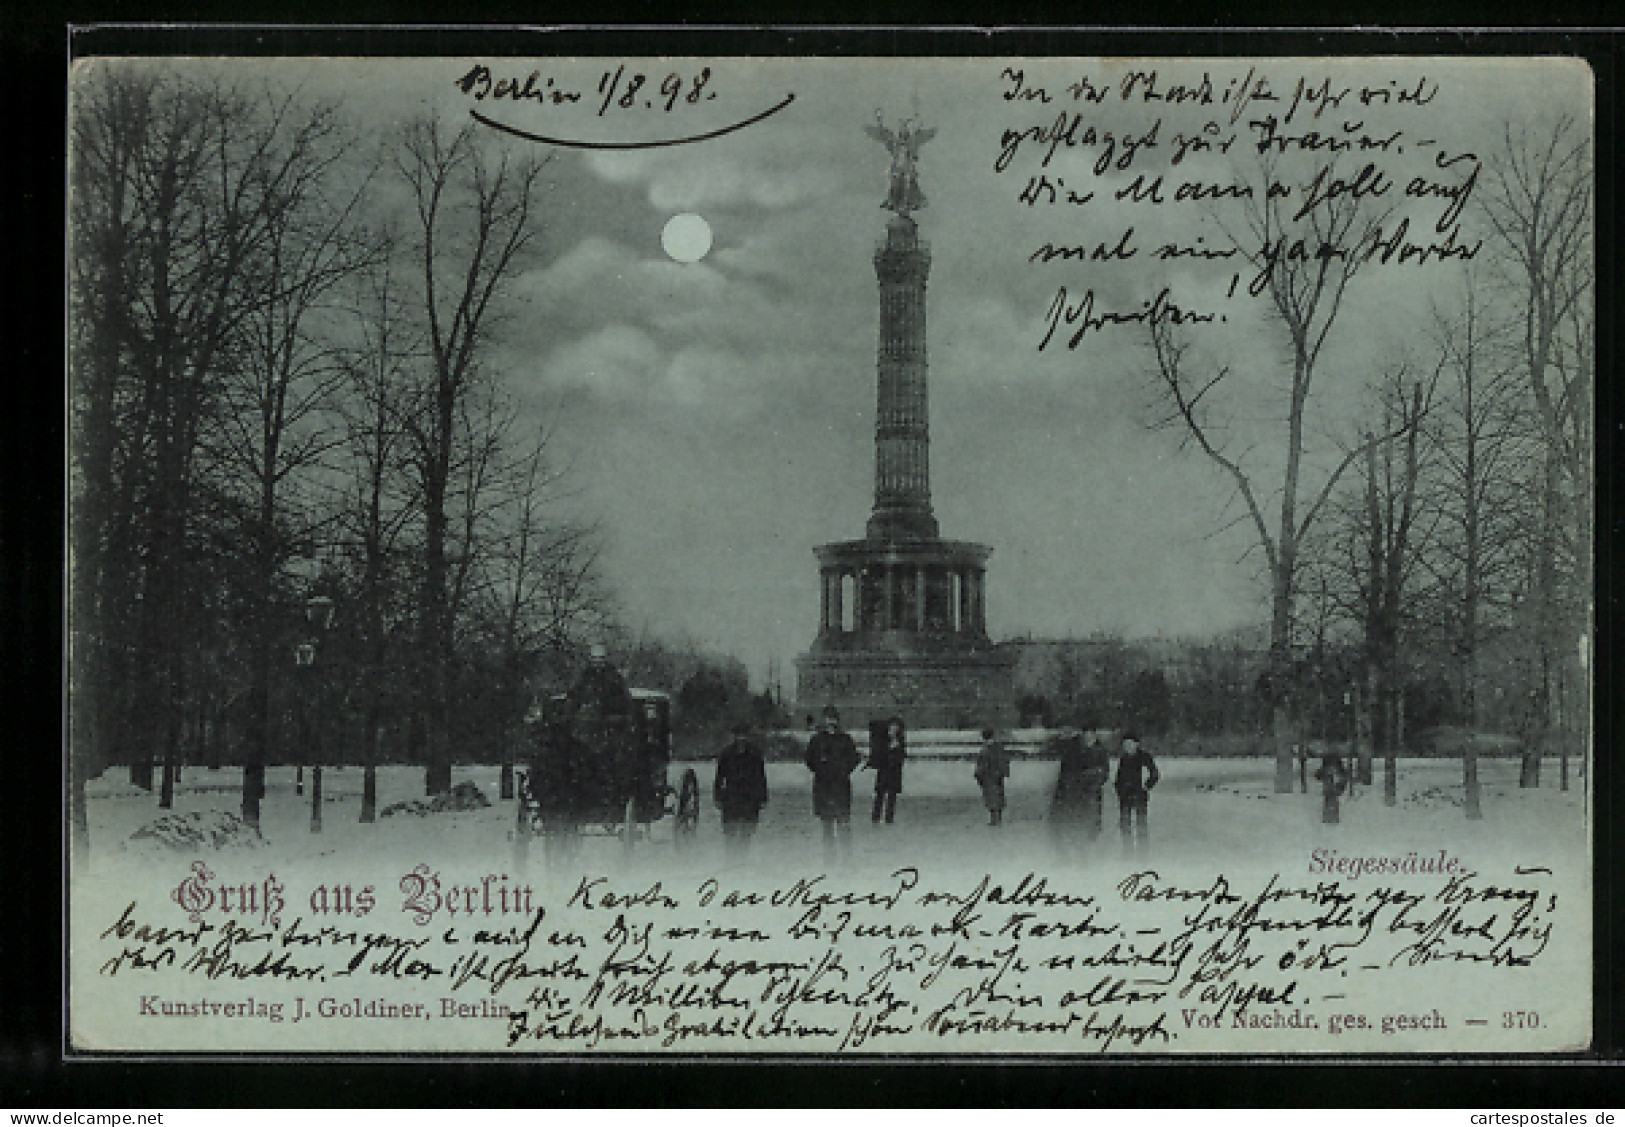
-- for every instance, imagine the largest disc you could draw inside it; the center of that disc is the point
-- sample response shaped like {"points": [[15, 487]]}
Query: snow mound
{"points": [[188, 833], [462, 797], [1222, 788], [1434, 797]]}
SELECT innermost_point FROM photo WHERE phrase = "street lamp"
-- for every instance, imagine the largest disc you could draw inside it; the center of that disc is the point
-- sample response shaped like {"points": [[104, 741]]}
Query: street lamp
{"points": [[319, 615]]}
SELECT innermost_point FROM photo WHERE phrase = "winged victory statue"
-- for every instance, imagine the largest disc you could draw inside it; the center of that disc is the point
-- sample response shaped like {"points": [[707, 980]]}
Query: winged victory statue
{"points": [[904, 146]]}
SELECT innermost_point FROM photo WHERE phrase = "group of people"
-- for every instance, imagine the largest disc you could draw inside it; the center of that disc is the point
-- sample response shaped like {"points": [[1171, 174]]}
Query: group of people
{"points": [[740, 787], [1079, 800]]}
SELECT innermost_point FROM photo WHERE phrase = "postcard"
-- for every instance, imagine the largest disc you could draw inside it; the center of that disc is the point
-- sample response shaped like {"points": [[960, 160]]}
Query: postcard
{"points": [[830, 557]]}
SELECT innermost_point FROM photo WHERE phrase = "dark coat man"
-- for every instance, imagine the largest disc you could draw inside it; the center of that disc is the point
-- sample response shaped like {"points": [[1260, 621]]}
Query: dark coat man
{"points": [[560, 772], [1079, 784], [832, 757], [1334, 780], [740, 789], [1136, 771], [887, 756], [1136, 774], [992, 768], [601, 687], [887, 750]]}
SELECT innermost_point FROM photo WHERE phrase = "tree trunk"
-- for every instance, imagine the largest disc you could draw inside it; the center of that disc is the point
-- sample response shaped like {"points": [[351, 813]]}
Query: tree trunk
{"points": [[1534, 747], [440, 733], [1529, 770], [257, 735], [210, 738], [432, 731], [1362, 746], [1562, 735], [437, 776], [371, 736], [1281, 733], [174, 720], [521, 838], [1399, 721], [1331, 808], [1469, 779], [435, 628]]}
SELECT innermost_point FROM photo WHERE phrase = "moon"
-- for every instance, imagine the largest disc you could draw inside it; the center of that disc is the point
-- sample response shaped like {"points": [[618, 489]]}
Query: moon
{"points": [[686, 237]]}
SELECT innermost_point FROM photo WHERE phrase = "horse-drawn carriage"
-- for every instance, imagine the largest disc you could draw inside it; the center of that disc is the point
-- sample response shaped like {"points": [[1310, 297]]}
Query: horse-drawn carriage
{"points": [[600, 763]]}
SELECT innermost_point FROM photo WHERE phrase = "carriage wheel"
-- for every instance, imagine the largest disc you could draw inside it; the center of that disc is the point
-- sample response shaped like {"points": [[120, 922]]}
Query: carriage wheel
{"points": [[688, 803]]}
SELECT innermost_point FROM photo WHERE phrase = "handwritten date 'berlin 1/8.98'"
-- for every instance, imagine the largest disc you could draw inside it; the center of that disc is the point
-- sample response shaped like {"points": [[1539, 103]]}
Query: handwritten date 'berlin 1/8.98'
{"points": [[616, 89], [618, 96]]}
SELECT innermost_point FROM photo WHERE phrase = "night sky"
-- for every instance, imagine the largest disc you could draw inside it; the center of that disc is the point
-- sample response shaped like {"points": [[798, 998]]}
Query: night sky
{"points": [[720, 412]]}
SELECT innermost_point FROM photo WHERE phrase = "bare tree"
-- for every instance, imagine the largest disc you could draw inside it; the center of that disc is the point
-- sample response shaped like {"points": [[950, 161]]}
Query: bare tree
{"points": [[473, 220], [111, 125], [272, 425], [178, 183], [1538, 202], [542, 591], [380, 501], [1305, 295], [483, 482], [1482, 451], [1373, 554], [1396, 529]]}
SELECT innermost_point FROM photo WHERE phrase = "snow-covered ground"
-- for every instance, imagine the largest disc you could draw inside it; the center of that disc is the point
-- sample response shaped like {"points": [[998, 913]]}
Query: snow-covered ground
{"points": [[1220, 811], [1209, 818]]}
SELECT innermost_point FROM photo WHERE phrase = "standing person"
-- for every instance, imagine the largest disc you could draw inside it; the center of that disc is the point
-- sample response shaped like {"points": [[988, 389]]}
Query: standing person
{"points": [[1066, 807], [1080, 782], [992, 768], [886, 755], [559, 766], [1097, 770], [1136, 774], [740, 789], [1334, 779], [832, 757]]}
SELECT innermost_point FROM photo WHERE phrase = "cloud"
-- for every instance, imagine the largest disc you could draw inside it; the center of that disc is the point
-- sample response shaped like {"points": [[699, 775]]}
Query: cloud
{"points": [[619, 363], [622, 365], [779, 170], [599, 278]]}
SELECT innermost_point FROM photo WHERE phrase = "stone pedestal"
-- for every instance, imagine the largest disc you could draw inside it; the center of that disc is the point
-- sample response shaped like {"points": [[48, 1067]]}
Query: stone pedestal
{"points": [[903, 631]]}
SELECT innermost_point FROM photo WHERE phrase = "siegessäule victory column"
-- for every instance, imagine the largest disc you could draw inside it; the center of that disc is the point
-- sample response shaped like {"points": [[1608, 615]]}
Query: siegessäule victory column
{"points": [[903, 630]]}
